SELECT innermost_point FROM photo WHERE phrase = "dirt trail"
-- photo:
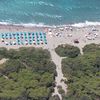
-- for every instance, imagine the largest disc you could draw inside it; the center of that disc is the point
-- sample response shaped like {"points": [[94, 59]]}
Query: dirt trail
{"points": [[57, 60]]}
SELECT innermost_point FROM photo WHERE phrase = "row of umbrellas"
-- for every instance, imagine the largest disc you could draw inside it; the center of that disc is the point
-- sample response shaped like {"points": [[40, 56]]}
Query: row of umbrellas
{"points": [[23, 38]]}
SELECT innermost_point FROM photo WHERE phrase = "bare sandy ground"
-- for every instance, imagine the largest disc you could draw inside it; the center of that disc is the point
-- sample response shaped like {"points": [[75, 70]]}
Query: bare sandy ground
{"points": [[3, 61], [55, 37]]}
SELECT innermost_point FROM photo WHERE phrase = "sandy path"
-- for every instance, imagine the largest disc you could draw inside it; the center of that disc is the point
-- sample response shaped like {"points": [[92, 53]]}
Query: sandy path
{"points": [[3, 61], [57, 60]]}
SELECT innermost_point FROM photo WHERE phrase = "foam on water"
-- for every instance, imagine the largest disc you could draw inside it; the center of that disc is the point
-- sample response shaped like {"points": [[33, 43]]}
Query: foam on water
{"points": [[85, 24], [47, 15]]}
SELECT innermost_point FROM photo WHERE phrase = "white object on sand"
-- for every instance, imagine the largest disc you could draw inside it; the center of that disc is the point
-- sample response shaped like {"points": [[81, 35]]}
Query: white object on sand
{"points": [[2, 40], [50, 33], [6, 43], [50, 30], [96, 34], [14, 42], [89, 38], [69, 35], [34, 42], [26, 42], [61, 29]]}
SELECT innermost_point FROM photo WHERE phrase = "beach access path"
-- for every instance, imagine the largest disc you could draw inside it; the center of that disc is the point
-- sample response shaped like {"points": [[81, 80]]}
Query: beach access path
{"points": [[58, 79]]}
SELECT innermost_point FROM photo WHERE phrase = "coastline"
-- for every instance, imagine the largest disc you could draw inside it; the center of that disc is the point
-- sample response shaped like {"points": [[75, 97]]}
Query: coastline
{"points": [[56, 35], [64, 30], [80, 24]]}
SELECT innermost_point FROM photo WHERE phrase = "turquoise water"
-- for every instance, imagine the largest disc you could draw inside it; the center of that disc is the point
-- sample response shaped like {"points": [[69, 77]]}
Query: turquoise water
{"points": [[49, 12]]}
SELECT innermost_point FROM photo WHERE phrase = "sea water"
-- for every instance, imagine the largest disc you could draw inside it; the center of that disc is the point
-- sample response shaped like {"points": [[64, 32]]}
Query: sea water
{"points": [[49, 12]]}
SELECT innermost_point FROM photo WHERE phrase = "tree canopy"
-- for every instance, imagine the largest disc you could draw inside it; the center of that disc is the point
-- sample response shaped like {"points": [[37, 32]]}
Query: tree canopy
{"points": [[27, 75], [66, 50], [83, 74]]}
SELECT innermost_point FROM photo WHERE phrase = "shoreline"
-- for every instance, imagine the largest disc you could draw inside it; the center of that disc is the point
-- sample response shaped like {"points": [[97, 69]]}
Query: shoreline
{"points": [[55, 36], [41, 25], [52, 32]]}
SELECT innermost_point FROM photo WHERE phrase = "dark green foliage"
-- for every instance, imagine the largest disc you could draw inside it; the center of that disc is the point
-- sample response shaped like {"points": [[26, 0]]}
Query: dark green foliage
{"points": [[91, 48], [83, 74], [3, 52], [67, 51], [27, 75], [55, 97]]}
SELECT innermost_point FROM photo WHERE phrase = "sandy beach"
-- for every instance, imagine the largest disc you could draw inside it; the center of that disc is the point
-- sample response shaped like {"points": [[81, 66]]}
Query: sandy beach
{"points": [[56, 35]]}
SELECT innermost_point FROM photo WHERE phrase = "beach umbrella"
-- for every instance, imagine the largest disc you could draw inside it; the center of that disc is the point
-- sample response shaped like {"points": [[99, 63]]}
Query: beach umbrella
{"points": [[96, 34], [44, 33], [41, 39], [29, 33], [33, 39], [6, 34], [30, 37], [50, 33], [14, 34], [36, 33], [56, 34], [40, 33], [49, 30], [21, 33], [2, 34], [38, 43], [18, 43], [45, 42], [40, 36], [26, 42], [61, 29], [34, 42], [22, 37], [66, 28], [10, 43], [6, 43], [24, 34], [69, 35], [41, 42], [2, 40], [44, 36], [14, 43]]}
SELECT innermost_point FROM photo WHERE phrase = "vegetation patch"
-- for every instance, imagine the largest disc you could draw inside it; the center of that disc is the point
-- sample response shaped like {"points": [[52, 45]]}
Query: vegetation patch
{"points": [[91, 48], [66, 50], [83, 74], [27, 75]]}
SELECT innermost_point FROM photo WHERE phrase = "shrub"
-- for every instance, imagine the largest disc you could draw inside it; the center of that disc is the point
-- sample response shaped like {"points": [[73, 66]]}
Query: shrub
{"points": [[67, 51]]}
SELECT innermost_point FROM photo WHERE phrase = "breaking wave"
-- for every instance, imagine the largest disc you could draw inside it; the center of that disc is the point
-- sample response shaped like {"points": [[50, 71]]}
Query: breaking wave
{"points": [[85, 24]]}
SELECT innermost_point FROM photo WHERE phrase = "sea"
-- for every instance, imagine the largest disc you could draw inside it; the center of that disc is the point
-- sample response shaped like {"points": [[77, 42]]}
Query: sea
{"points": [[50, 12]]}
